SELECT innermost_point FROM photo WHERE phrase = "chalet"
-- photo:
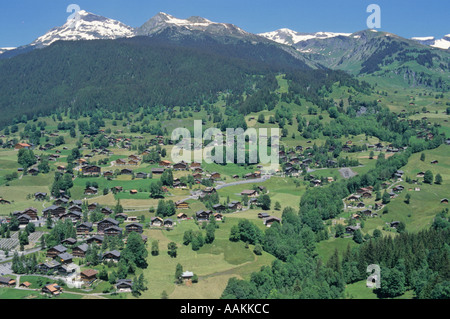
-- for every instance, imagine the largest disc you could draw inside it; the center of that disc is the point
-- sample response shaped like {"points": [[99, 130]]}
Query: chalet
{"points": [[168, 222], [367, 212], [20, 146], [124, 285], [108, 174], [61, 201], [291, 171], [24, 219], [158, 171], [106, 223], [106, 211], [203, 215], [126, 171], [351, 229], [113, 231], [52, 289], [250, 176], [133, 191], [134, 157], [181, 166], [181, 205], [74, 216], [55, 251], [6, 281], [420, 174], [40, 196], [199, 176], [80, 251], [4, 201], [84, 228], [215, 175], [435, 162], [33, 171], [165, 163], [136, 227], [263, 215], [156, 221], [32, 212], [195, 165], [394, 224], [54, 211], [51, 265], [25, 284], [91, 170], [187, 275], [182, 216], [219, 207], [218, 216], [92, 206], [366, 195], [113, 255], [141, 175], [444, 201], [133, 162], [75, 208], [69, 241], [89, 275], [353, 198], [249, 193], [270, 220], [360, 205], [209, 190], [65, 258], [235, 205], [96, 238], [121, 216], [120, 161], [90, 191]]}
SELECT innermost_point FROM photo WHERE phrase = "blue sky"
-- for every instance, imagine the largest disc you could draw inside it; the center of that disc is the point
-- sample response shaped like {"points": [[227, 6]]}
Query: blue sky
{"points": [[22, 21]]}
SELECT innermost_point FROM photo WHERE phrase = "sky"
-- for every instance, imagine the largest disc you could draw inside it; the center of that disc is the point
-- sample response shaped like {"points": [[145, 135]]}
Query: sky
{"points": [[22, 21]]}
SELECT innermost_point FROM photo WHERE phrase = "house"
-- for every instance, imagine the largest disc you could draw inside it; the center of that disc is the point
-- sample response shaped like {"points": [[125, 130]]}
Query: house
{"points": [[20, 146], [113, 231], [88, 275], [249, 193], [69, 241], [360, 205], [4, 201], [444, 201], [195, 165], [65, 258], [52, 289], [270, 220], [40, 196], [351, 229], [106, 211], [394, 224], [141, 175], [168, 222], [165, 163], [136, 227], [24, 219], [92, 206], [75, 208], [133, 191], [120, 161], [215, 175], [218, 216], [209, 190], [25, 284], [182, 216], [203, 215], [126, 171], [181, 166], [74, 216], [55, 251], [235, 205], [108, 174], [219, 207], [33, 171], [61, 201], [367, 212], [263, 215], [98, 239], [49, 266], [6, 281], [420, 174], [90, 191], [80, 251], [113, 255], [84, 228], [91, 170], [124, 285], [353, 198], [181, 205], [106, 223], [435, 162], [158, 171], [54, 211], [156, 221]]}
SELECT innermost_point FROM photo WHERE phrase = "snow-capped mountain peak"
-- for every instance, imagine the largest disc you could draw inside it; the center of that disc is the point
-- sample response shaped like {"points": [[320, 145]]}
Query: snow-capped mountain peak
{"points": [[85, 26], [443, 43], [163, 20], [290, 37]]}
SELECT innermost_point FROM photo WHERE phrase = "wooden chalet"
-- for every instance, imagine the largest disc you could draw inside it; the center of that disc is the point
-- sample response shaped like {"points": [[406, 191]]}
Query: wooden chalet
{"points": [[165, 163], [181, 205], [168, 223], [40, 196], [84, 228], [156, 221], [136, 227], [124, 285], [235, 205], [91, 170], [55, 251], [106, 223], [88, 275], [249, 193], [98, 239], [90, 191], [54, 211], [158, 171], [270, 220], [113, 255], [203, 215], [32, 212], [52, 289], [181, 166], [182, 216], [80, 251]]}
